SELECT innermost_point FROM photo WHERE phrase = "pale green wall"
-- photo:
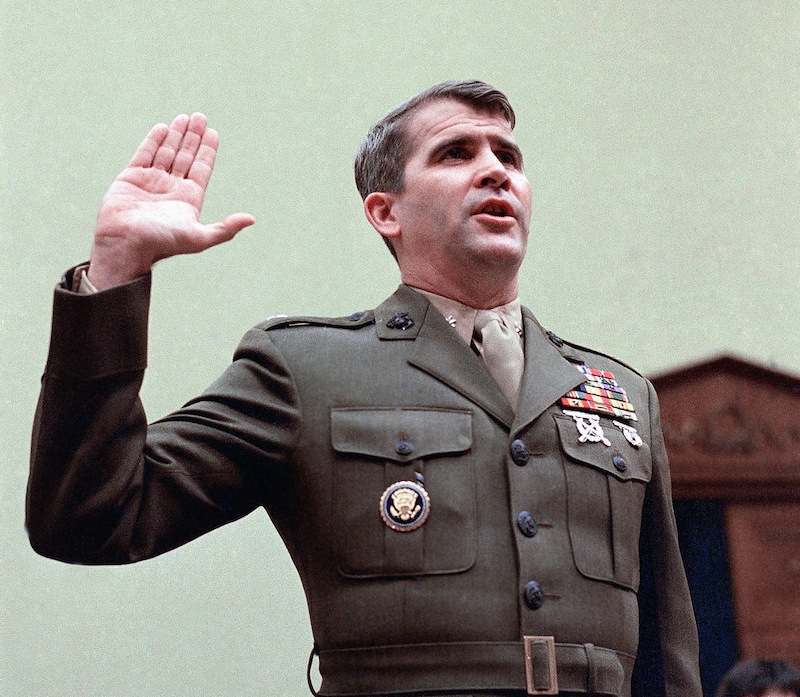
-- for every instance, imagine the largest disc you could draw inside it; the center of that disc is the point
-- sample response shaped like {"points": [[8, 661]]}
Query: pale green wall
{"points": [[662, 143]]}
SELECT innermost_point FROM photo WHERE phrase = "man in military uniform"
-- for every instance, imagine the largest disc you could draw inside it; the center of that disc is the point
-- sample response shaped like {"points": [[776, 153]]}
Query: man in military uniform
{"points": [[463, 493]]}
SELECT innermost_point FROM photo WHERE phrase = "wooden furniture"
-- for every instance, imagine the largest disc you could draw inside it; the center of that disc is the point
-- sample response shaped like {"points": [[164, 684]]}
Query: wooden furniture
{"points": [[732, 431]]}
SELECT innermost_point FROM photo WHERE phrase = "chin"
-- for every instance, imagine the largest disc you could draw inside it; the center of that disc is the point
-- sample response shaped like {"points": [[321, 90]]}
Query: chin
{"points": [[503, 252]]}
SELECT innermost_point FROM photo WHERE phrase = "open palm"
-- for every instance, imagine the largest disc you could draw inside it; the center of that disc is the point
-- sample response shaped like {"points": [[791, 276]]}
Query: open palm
{"points": [[152, 209]]}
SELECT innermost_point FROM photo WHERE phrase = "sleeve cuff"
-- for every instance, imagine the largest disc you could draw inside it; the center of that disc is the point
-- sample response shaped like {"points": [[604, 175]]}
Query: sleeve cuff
{"points": [[101, 333]]}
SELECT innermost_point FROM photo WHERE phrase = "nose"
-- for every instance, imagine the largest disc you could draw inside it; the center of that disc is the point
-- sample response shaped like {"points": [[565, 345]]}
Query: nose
{"points": [[492, 172]]}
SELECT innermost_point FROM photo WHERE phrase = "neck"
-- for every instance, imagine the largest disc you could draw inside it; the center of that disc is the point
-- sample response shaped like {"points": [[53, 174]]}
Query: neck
{"points": [[481, 293]]}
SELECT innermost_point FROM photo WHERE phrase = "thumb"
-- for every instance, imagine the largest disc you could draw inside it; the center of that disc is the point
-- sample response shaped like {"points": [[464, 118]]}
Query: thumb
{"points": [[227, 229]]}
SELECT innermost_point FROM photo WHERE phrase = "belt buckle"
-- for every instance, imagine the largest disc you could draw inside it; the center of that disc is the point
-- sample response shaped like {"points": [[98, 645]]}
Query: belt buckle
{"points": [[550, 645]]}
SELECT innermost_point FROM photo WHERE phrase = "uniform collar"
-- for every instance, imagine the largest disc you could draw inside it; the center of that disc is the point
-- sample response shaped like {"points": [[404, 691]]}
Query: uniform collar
{"points": [[409, 316], [462, 317]]}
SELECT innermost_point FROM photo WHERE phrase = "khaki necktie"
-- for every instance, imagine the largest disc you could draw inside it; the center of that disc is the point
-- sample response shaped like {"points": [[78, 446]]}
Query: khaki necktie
{"points": [[499, 345]]}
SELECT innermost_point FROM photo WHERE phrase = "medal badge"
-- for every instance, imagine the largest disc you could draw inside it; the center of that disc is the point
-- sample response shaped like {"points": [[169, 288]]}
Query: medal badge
{"points": [[630, 433], [589, 428], [405, 506], [600, 394]]}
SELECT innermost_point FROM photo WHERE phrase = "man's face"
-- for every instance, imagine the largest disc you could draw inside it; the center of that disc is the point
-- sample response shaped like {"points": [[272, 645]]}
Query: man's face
{"points": [[465, 207]]}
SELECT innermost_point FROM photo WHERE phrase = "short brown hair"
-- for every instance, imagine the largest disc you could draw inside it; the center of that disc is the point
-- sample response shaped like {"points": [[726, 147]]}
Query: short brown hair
{"points": [[381, 158]]}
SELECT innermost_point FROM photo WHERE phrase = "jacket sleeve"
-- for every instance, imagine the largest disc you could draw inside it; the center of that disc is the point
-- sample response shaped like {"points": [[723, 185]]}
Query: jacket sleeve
{"points": [[676, 628], [104, 488]]}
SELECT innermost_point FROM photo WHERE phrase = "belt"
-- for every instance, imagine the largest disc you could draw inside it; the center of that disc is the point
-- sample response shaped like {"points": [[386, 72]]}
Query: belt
{"points": [[538, 665], [552, 667]]}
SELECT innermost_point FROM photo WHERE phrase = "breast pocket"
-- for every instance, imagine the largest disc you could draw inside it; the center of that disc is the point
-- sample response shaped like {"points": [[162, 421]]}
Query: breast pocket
{"points": [[378, 530], [606, 486]]}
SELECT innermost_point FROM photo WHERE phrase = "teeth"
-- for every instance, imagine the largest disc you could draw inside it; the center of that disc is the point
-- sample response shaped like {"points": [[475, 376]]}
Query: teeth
{"points": [[494, 211]]}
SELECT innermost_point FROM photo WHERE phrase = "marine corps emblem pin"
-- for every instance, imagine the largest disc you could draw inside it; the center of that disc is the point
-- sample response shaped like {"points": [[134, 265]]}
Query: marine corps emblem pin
{"points": [[405, 506]]}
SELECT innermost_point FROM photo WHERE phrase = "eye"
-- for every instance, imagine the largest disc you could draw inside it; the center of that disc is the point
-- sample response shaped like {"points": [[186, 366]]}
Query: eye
{"points": [[508, 157], [456, 152]]}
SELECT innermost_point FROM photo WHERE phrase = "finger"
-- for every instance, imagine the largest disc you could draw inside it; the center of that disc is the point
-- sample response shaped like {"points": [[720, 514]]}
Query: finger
{"points": [[165, 155], [143, 157], [189, 144], [203, 165]]}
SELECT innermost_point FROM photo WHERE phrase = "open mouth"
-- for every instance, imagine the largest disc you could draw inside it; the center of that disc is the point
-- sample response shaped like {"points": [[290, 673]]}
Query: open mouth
{"points": [[495, 208]]}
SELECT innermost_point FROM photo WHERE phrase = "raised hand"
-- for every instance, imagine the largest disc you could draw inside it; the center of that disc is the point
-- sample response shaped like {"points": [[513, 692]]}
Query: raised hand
{"points": [[152, 210]]}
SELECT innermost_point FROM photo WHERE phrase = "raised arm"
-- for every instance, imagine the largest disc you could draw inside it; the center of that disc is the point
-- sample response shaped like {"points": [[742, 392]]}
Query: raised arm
{"points": [[152, 210]]}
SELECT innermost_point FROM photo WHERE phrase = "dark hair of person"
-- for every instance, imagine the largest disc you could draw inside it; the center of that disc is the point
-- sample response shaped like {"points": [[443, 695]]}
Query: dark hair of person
{"points": [[381, 158], [754, 677]]}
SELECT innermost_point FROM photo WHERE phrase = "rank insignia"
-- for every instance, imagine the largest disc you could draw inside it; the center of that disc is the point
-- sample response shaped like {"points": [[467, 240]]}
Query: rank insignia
{"points": [[405, 506], [600, 394]]}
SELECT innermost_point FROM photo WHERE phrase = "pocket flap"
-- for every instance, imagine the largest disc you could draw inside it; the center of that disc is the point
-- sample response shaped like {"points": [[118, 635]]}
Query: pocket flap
{"points": [[400, 434], [620, 459]]}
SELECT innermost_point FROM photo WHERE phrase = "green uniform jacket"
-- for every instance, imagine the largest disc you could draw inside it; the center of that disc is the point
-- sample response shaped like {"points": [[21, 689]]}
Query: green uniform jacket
{"points": [[314, 420]]}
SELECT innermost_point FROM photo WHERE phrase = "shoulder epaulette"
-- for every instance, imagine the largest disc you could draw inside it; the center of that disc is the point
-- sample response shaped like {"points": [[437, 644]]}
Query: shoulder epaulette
{"points": [[357, 319], [559, 342]]}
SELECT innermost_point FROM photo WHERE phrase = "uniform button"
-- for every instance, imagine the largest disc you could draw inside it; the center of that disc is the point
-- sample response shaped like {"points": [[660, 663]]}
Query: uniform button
{"points": [[404, 447], [526, 524], [534, 595], [620, 463], [520, 453], [356, 316]]}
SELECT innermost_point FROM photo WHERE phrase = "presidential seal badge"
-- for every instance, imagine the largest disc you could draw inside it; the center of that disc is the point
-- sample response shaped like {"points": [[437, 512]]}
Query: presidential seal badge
{"points": [[405, 506]]}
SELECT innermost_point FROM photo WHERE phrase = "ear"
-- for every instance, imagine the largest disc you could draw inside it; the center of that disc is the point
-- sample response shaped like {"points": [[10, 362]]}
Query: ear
{"points": [[379, 209]]}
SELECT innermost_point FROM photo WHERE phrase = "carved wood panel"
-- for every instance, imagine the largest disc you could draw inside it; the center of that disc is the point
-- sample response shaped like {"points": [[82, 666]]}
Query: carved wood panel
{"points": [[732, 431]]}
